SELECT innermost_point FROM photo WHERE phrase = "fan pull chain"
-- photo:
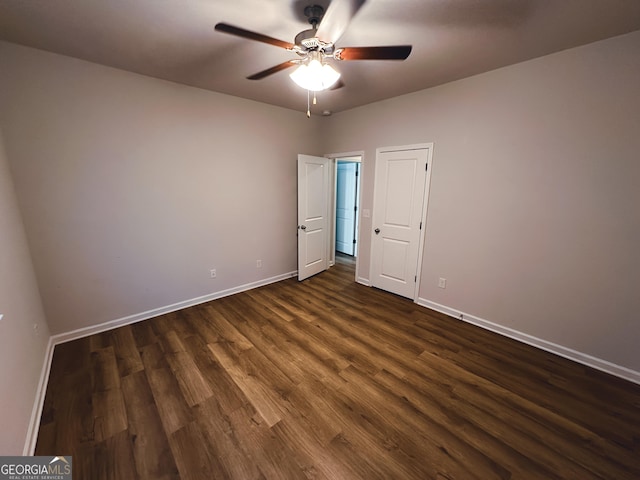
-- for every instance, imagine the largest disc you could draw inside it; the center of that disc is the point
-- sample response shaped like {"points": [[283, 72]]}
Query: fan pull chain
{"points": [[315, 102]]}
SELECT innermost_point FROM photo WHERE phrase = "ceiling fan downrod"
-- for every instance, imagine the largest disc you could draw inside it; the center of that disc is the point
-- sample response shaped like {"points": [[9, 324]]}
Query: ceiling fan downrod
{"points": [[314, 14], [307, 38]]}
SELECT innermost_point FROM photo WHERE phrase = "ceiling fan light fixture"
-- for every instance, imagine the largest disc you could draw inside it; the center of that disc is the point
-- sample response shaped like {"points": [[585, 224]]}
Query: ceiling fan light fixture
{"points": [[315, 75]]}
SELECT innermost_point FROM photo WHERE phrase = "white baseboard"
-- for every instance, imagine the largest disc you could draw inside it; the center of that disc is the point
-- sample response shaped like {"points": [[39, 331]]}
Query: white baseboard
{"points": [[138, 317], [363, 281], [38, 404], [583, 358]]}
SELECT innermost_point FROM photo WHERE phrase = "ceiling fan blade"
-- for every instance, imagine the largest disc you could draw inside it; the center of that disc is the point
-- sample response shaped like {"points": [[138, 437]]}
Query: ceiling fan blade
{"points": [[394, 52], [272, 70], [337, 18], [258, 37]]}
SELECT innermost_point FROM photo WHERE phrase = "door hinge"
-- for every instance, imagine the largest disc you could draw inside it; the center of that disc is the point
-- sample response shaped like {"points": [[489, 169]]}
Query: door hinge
{"points": [[426, 167], [420, 225], [354, 241], [415, 279], [355, 209]]}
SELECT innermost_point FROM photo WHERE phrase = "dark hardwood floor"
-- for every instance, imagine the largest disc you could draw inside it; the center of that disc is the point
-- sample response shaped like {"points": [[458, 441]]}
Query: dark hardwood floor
{"points": [[328, 379]]}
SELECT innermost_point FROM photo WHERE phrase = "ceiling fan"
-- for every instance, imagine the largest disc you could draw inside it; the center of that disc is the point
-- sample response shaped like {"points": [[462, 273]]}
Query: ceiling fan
{"points": [[317, 45]]}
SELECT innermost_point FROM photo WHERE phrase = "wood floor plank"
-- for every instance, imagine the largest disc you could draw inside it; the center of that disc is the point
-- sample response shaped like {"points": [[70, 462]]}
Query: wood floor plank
{"points": [[105, 370], [118, 457], [111, 459], [171, 342], [126, 350], [225, 391], [227, 330], [270, 452], [151, 450], [143, 333], [261, 397], [194, 387], [201, 324], [193, 457], [153, 357], [320, 415], [109, 414], [172, 407], [278, 306], [222, 442], [328, 379], [71, 414]]}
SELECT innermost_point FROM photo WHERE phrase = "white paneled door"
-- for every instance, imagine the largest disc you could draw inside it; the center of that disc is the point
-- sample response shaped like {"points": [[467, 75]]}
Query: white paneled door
{"points": [[399, 208], [313, 212]]}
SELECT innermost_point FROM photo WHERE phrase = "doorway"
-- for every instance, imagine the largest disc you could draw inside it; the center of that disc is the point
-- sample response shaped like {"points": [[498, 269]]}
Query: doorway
{"points": [[348, 164], [347, 194]]}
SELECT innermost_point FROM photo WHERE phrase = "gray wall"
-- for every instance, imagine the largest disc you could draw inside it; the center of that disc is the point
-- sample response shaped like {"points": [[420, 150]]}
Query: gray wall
{"points": [[22, 349], [132, 189], [534, 209]]}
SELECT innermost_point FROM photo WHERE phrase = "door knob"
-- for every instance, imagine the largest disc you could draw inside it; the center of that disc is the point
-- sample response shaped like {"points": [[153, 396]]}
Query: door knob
{"points": [[303, 227], [377, 230]]}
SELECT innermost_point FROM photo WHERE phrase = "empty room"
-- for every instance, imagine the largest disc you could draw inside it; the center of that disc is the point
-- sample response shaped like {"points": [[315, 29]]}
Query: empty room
{"points": [[324, 239]]}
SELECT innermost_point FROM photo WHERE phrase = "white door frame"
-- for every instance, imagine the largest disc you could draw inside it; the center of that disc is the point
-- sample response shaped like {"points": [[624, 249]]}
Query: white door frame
{"points": [[356, 156], [425, 204]]}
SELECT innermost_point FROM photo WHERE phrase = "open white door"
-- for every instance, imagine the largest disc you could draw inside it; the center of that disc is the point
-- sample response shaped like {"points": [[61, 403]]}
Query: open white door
{"points": [[400, 197], [313, 212]]}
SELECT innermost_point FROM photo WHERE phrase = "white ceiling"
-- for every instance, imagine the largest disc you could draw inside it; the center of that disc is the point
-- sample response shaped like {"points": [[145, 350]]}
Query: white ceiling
{"points": [[175, 39]]}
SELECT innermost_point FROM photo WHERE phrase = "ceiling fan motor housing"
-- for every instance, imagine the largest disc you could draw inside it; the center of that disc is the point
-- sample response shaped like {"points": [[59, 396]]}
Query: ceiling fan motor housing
{"points": [[307, 38], [309, 42]]}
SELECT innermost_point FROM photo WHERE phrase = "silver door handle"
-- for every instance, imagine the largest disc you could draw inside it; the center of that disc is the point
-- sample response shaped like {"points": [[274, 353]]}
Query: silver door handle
{"points": [[303, 227], [377, 230]]}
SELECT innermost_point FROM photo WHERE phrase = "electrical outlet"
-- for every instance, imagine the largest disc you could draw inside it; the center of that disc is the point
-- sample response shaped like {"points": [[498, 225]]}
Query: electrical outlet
{"points": [[213, 273], [442, 282], [36, 329], [258, 263]]}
